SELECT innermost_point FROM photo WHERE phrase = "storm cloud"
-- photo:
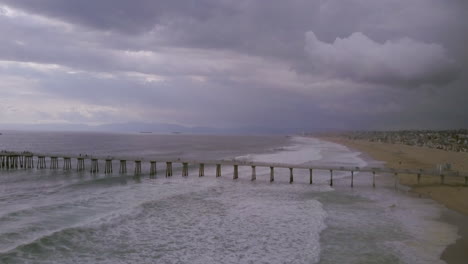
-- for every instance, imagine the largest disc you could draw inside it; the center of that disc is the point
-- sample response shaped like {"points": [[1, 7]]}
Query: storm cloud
{"points": [[402, 61], [277, 65]]}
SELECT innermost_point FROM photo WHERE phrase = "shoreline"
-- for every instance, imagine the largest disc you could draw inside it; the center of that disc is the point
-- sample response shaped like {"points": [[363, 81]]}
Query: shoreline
{"points": [[452, 195]]}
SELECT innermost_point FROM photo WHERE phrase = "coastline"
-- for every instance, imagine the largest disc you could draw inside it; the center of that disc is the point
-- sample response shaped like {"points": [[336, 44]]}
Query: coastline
{"points": [[453, 194]]}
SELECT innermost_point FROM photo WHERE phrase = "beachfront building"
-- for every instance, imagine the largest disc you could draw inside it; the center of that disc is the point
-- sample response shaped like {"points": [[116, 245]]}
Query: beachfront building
{"points": [[450, 140]]}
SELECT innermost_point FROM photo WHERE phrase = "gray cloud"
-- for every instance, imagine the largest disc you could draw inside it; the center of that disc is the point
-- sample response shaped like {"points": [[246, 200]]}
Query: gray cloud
{"points": [[233, 63], [403, 61]]}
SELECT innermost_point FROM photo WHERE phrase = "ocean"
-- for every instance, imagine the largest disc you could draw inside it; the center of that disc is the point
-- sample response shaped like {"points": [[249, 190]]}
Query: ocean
{"points": [[52, 216]]}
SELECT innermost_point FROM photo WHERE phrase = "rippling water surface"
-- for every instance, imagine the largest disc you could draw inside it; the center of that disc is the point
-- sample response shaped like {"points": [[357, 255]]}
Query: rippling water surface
{"points": [[49, 216]]}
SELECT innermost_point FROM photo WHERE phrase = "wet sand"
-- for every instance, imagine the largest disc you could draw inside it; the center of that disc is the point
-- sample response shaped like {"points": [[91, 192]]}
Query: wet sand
{"points": [[453, 194]]}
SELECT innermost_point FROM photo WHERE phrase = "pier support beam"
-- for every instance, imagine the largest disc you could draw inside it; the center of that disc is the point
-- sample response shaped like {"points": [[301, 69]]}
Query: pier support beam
{"points": [[28, 162], [41, 162], [12, 162], [236, 172], [291, 176], [352, 179], [67, 163], [123, 167], [272, 174], [80, 164], [201, 170], [53, 163], [254, 174], [137, 167], [9, 162], [94, 165], [331, 177], [108, 167], [184, 169], [310, 177], [153, 168], [419, 176], [396, 180], [168, 169], [373, 179], [218, 170]]}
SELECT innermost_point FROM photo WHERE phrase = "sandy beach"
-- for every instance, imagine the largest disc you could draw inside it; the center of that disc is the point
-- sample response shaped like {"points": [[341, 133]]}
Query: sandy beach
{"points": [[453, 194]]}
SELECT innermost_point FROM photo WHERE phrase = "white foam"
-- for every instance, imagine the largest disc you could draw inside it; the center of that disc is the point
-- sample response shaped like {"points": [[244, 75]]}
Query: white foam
{"points": [[418, 218], [427, 237]]}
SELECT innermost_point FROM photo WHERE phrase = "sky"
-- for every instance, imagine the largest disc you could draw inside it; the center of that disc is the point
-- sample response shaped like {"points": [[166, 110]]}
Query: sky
{"points": [[275, 65]]}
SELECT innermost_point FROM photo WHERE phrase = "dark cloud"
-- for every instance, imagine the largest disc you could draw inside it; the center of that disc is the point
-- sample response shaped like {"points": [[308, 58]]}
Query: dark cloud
{"points": [[401, 62], [298, 63], [121, 15]]}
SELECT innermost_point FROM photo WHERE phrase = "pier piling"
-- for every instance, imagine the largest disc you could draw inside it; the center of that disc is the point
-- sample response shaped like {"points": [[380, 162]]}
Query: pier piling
{"points": [[67, 163], [41, 162], [80, 164], [12, 162], [272, 174], [94, 165], [201, 171], [373, 179], [168, 169], [53, 163], [218, 170], [137, 167], [291, 176], [108, 166], [123, 167], [153, 168], [254, 174], [352, 179], [236, 172], [331, 177], [184, 169], [396, 180], [28, 162], [310, 176]]}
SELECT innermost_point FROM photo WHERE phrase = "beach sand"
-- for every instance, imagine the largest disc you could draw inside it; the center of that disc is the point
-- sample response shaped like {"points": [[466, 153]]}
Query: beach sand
{"points": [[453, 194]]}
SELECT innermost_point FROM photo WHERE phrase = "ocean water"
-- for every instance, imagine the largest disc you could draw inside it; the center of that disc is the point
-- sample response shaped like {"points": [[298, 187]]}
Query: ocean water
{"points": [[51, 216]]}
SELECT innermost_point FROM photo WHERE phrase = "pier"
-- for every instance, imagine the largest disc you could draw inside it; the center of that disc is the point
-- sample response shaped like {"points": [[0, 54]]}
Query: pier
{"points": [[25, 160]]}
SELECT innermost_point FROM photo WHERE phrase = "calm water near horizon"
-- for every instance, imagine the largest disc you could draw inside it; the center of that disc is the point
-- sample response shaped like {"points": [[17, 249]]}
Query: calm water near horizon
{"points": [[69, 217]]}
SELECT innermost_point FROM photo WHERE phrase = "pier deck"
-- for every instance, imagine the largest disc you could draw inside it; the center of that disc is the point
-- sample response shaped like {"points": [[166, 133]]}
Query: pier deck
{"points": [[17, 160]]}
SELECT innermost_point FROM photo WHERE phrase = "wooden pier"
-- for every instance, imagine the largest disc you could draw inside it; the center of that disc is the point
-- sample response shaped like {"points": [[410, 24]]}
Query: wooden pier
{"points": [[25, 160]]}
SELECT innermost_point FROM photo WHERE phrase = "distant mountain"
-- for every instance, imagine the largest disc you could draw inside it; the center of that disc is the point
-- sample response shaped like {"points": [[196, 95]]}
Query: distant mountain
{"points": [[166, 128], [121, 127]]}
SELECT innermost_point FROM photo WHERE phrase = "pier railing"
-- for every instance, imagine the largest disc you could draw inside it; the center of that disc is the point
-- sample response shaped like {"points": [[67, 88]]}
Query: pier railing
{"points": [[26, 160]]}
